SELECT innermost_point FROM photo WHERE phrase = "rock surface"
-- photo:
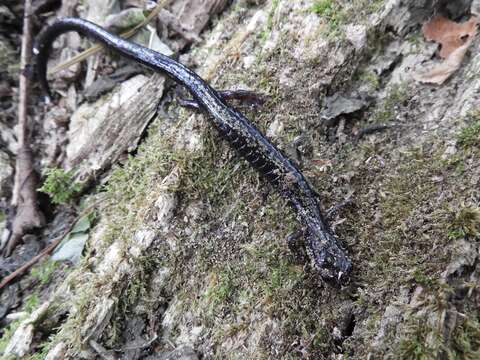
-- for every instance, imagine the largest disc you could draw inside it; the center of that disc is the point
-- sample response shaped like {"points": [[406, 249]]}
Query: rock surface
{"points": [[187, 259]]}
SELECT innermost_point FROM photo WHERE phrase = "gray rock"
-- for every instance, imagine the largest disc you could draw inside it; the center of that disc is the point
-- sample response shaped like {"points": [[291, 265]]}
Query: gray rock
{"points": [[9, 298], [337, 105], [475, 10], [405, 15], [57, 353], [465, 255], [98, 319], [7, 136], [22, 339], [357, 35], [455, 9]]}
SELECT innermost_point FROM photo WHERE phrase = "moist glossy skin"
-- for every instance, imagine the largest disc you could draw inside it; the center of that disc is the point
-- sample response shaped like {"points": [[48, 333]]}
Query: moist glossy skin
{"points": [[326, 255]]}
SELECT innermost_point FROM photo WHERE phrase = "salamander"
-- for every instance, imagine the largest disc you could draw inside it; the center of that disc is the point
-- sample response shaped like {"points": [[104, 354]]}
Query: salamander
{"points": [[326, 255]]}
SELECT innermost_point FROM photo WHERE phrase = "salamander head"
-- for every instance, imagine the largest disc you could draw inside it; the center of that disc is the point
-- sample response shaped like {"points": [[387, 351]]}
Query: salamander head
{"points": [[330, 261], [335, 269]]}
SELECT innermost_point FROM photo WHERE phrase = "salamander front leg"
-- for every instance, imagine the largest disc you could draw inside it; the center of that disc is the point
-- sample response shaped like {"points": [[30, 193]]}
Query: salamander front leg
{"points": [[246, 97]]}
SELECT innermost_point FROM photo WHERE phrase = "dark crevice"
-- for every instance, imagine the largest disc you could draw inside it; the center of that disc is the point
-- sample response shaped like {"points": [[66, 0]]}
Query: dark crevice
{"points": [[350, 326]]}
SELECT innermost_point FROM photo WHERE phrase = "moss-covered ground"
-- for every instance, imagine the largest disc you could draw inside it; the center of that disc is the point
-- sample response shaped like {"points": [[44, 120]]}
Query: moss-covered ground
{"points": [[231, 272]]}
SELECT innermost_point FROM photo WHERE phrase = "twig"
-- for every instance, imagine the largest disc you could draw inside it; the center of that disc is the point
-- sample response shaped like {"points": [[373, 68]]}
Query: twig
{"points": [[25, 58], [96, 48], [27, 215], [48, 249], [370, 130]]}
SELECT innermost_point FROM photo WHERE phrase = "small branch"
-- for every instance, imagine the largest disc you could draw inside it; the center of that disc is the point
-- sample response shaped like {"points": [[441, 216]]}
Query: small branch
{"points": [[27, 215], [24, 84], [96, 48], [48, 249], [370, 130], [32, 261]]}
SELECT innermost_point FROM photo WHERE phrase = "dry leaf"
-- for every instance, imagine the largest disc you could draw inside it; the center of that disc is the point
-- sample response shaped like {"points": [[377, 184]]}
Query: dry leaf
{"points": [[455, 40], [439, 73], [449, 34]]}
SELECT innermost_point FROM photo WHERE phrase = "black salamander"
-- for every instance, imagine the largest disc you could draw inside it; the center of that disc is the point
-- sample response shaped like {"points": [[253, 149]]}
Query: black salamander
{"points": [[326, 255]]}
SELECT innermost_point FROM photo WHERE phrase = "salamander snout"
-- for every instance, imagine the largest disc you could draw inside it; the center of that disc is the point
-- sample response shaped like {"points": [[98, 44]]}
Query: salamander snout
{"points": [[331, 262], [335, 268]]}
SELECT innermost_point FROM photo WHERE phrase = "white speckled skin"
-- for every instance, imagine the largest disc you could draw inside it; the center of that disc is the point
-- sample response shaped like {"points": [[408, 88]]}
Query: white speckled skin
{"points": [[327, 257]]}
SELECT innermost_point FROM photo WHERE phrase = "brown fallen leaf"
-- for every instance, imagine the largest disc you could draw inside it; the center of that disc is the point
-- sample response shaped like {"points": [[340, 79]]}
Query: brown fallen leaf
{"points": [[455, 39], [439, 73], [449, 34]]}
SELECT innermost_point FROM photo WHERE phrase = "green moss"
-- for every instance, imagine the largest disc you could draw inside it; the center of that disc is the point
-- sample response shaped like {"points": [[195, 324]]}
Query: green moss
{"points": [[221, 290], [470, 135], [323, 7], [466, 223], [281, 276], [371, 78], [8, 64], [332, 12], [269, 26], [31, 303], [41, 352], [338, 13], [421, 342], [42, 271], [427, 281], [401, 230], [423, 339], [465, 342], [59, 185], [139, 281]]}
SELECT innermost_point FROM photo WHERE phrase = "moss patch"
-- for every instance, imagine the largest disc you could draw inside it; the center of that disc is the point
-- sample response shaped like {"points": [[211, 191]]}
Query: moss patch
{"points": [[59, 186], [470, 135]]}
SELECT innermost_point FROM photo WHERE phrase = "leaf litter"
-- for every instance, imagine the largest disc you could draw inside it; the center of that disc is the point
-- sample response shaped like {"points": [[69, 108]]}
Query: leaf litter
{"points": [[455, 39]]}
